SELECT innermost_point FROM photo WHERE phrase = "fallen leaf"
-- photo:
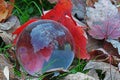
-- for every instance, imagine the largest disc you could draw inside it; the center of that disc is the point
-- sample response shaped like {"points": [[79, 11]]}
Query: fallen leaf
{"points": [[4, 63], [111, 72], [91, 2], [105, 22], [106, 29], [62, 14], [103, 56], [93, 44], [11, 23], [5, 9], [102, 10], [7, 38], [79, 9], [110, 49], [10, 7], [99, 54], [79, 76], [115, 43], [119, 66], [6, 72]]}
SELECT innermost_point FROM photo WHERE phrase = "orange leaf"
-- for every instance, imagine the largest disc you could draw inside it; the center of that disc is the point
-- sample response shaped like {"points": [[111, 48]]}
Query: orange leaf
{"points": [[10, 7], [91, 2], [62, 14], [5, 10]]}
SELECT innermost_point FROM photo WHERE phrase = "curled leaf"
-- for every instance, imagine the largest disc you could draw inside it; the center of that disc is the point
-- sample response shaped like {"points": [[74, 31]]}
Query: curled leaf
{"points": [[10, 24], [115, 43]]}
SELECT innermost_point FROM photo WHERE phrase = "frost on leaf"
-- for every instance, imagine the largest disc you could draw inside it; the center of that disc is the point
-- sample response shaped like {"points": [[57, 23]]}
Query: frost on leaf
{"points": [[107, 29], [79, 9], [101, 11], [44, 35]]}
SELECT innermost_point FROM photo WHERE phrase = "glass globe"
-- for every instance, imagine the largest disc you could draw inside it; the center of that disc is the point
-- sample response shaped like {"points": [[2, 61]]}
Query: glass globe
{"points": [[45, 45]]}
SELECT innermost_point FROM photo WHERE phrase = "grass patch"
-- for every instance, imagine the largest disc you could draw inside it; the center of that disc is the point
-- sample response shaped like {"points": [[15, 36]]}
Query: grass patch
{"points": [[25, 9], [77, 66], [4, 48]]}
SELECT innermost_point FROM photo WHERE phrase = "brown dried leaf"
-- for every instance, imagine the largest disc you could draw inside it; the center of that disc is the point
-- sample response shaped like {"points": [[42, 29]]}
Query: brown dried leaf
{"points": [[91, 2], [102, 51], [101, 55], [5, 9], [10, 7], [111, 50], [94, 44]]}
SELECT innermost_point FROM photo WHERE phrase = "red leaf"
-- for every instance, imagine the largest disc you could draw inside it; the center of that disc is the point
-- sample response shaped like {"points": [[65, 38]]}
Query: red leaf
{"points": [[62, 14], [21, 28], [62, 8]]}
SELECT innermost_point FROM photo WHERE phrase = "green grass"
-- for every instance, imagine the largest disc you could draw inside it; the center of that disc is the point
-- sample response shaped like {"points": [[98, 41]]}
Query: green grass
{"points": [[77, 66], [25, 9], [4, 48]]}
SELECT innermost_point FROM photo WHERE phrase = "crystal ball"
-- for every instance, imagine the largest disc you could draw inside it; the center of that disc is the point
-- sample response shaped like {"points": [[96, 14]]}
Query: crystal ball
{"points": [[45, 45]]}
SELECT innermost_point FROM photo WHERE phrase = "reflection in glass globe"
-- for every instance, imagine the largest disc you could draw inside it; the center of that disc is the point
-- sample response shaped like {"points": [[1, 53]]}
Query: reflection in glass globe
{"points": [[45, 45]]}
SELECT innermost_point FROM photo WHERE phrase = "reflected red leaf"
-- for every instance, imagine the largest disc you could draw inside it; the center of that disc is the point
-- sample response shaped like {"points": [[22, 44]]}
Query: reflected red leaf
{"points": [[21, 28]]}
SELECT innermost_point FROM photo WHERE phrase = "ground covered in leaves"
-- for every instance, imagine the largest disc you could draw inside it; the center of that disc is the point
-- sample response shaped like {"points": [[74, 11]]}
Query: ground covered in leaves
{"points": [[94, 26]]}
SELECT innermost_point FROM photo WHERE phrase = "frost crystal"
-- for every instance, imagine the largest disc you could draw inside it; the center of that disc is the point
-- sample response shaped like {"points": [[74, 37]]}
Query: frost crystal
{"points": [[103, 9], [42, 36]]}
